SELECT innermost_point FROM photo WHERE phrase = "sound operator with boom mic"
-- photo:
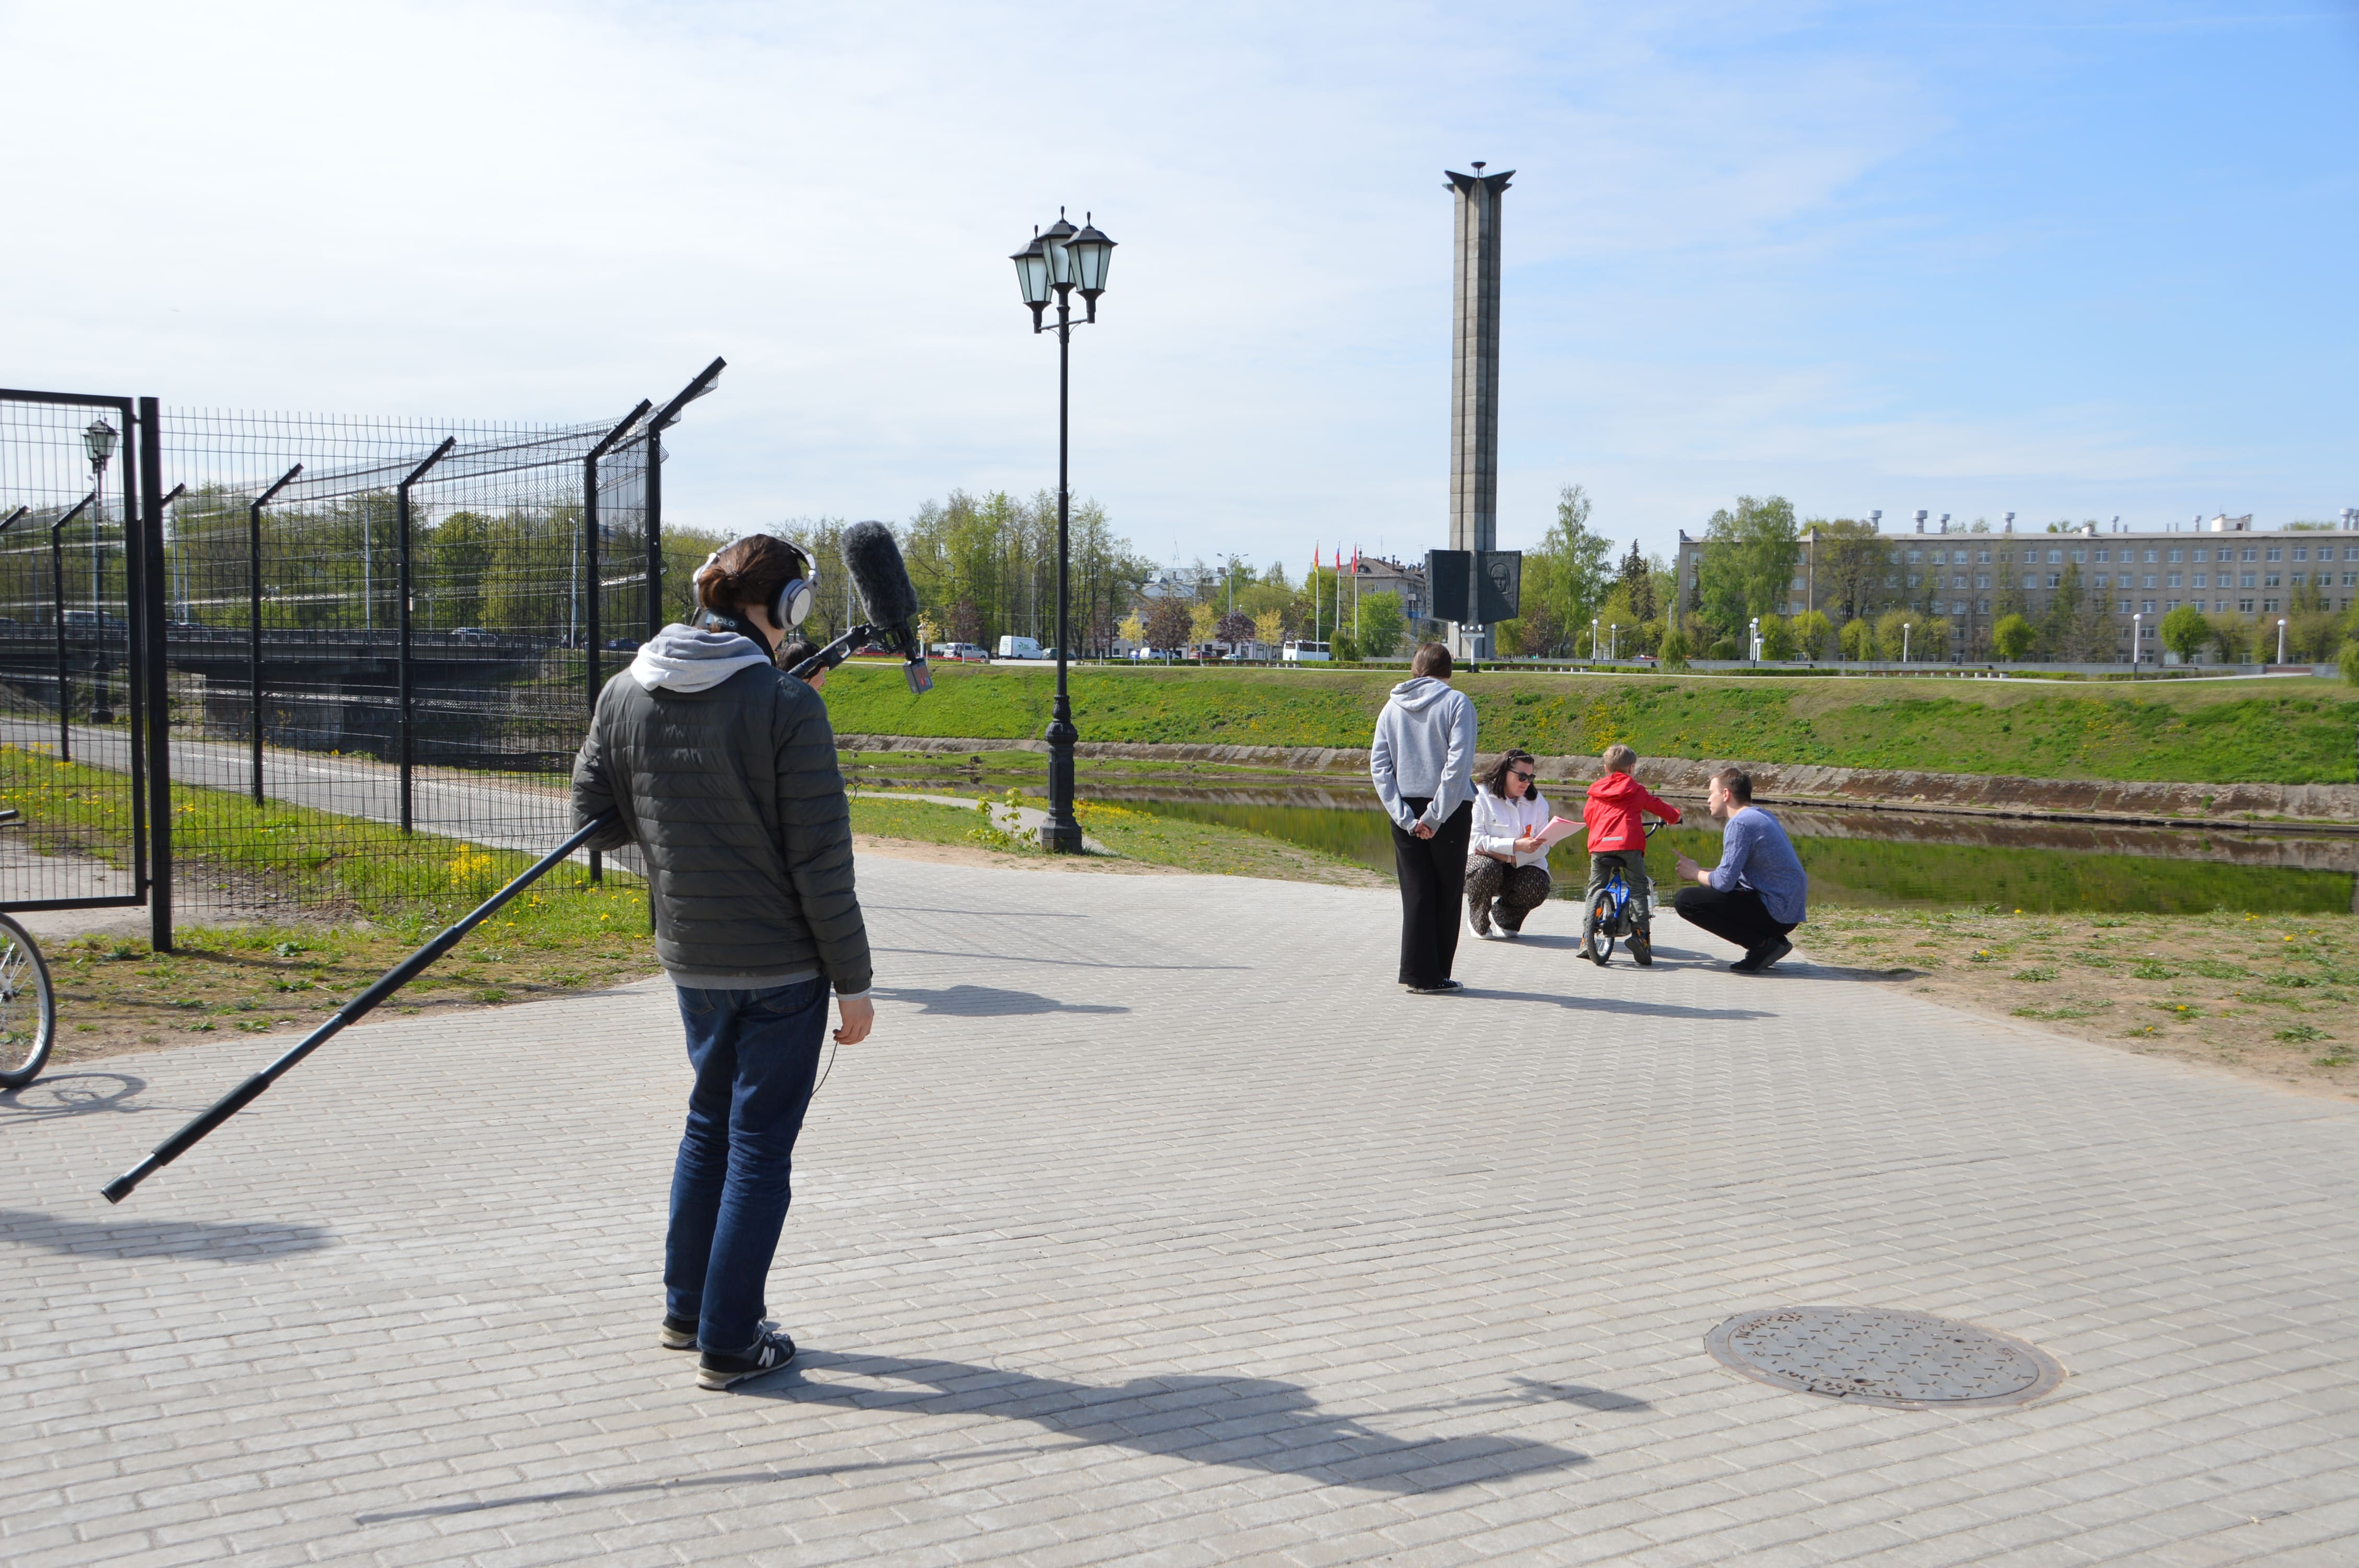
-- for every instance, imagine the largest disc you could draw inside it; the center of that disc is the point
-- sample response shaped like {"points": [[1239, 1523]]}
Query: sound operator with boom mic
{"points": [[722, 768]]}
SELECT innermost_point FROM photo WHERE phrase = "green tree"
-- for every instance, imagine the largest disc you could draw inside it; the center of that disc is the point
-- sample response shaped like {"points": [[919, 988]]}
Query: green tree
{"points": [[1896, 635], [1674, 649], [1855, 567], [2185, 631], [2233, 635], [2012, 637], [1382, 625], [1564, 581], [457, 550], [1858, 640], [1638, 584], [1748, 561], [1777, 637], [2349, 663], [1814, 634]]}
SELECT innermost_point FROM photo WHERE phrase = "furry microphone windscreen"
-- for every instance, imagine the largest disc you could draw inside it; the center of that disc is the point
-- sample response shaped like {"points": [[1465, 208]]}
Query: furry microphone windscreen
{"points": [[874, 560]]}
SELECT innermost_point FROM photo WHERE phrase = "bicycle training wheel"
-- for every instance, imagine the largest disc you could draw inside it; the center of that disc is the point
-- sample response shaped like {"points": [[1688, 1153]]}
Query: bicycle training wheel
{"points": [[1600, 940], [28, 1012]]}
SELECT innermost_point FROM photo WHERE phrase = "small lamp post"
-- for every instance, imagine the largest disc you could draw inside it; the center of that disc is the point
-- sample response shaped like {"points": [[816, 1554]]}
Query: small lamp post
{"points": [[1593, 639], [99, 440], [1753, 641], [2137, 629], [2281, 639], [1057, 262], [1904, 642]]}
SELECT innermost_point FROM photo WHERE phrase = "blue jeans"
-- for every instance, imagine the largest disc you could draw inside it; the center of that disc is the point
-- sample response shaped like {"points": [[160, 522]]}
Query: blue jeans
{"points": [[756, 1054]]}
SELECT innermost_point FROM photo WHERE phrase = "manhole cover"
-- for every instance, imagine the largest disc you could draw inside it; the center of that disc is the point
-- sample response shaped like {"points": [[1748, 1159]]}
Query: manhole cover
{"points": [[1904, 1360]]}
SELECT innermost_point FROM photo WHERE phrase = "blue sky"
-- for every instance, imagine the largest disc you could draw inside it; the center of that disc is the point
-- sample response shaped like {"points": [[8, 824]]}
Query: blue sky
{"points": [[2063, 260]]}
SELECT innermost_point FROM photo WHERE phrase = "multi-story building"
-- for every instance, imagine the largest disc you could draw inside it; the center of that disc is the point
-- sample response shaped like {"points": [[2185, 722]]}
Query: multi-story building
{"points": [[1377, 573], [2222, 567]]}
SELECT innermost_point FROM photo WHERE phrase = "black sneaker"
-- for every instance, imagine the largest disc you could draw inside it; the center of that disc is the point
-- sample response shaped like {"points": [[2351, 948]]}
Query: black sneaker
{"points": [[1757, 959], [770, 1353], [1440, 988], [680, 1333], [1776, 950]]}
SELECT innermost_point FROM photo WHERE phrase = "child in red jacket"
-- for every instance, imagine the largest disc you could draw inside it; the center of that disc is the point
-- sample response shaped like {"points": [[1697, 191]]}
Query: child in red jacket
{"points": [[1618, 839]]}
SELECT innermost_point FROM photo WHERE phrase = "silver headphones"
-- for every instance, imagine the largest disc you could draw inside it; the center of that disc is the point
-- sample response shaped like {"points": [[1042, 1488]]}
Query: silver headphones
{"points": [[793, 603]]}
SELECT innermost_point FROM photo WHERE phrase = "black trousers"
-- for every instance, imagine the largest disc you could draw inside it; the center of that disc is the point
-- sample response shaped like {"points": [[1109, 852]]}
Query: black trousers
{"points": [[1735, 916], [1433, 881]]}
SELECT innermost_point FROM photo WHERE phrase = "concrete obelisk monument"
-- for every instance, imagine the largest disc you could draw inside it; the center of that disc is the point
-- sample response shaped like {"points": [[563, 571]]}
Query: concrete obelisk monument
{"points": [[1474, 378]]}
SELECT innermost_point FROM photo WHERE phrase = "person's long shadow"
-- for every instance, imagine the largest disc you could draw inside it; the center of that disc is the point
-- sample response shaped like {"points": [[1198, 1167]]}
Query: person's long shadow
{"points": [[70, 1094], [1250, 1422], [190, 1238], [985, 1002], [1579, 1003]]}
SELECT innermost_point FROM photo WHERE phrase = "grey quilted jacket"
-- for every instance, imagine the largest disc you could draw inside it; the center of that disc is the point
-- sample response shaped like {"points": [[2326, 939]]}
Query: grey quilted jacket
{"points": [[724, 771]]}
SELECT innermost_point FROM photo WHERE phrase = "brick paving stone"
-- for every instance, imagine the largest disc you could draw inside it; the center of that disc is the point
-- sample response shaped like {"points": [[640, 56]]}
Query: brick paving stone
{"points": [[1153, 1228]]}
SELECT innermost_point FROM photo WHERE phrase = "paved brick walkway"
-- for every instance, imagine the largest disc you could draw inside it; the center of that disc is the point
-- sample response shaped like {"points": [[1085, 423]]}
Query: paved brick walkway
{"points": [[1156, 1226]]}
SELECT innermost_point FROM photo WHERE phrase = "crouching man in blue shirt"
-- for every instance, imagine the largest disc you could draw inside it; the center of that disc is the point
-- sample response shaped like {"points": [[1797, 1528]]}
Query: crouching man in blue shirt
{"points": [[1756, 895]]}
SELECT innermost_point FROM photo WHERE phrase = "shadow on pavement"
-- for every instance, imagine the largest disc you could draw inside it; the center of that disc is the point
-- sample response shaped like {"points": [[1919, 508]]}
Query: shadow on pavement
{"points": [[985, 1002], [1061, 963], [159, 1239], [1249, 1422], [1580, 1003], [70, 1094]]}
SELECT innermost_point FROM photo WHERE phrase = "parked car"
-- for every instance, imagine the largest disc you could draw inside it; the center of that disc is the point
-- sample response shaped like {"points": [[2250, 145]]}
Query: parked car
{"points": [[475, 636], [621, 645]]}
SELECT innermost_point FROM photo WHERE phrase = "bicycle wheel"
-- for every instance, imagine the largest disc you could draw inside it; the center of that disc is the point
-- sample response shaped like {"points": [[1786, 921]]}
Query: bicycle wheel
{"points": [[28, 1012], [1599, 941]]}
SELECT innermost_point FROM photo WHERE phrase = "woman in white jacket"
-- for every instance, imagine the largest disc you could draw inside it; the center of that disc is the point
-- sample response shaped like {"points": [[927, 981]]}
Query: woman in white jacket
{"points": [[1506, 864]]}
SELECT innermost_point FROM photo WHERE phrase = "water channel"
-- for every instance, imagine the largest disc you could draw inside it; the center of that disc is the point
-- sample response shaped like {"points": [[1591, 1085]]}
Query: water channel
{"points": [[1853, 857]]}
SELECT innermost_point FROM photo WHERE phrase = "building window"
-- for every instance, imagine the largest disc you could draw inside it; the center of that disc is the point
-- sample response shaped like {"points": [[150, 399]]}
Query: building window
{"points": [[2103, 580], [1915, 557], [2029, 580], [1982, 579], [2172, 605], [2055, 557], [2245, 581], [2055, 580], [2148, 581], [1983, 558], [2245, 605], [2174, 556], [2268, 604], [2174, 580], [2277, 552], [2302, 552], [2123, 607], [2272, 579], [2146, 606], [2007, 555], [2079, 557], [2300, 577], [2350, 580], [2202, 579], [1982, 606]]}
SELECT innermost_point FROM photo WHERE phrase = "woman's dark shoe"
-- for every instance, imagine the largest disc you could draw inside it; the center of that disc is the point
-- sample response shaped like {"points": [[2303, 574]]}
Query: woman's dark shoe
{"points": [[1440, 988], [771, 1352]]}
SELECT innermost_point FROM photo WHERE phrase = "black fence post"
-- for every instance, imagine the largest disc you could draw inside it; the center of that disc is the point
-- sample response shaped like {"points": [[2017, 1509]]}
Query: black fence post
{"points": [[253, 611], [704, 382], [145, 568], [57, 610], [593, 677], [401, 522]]}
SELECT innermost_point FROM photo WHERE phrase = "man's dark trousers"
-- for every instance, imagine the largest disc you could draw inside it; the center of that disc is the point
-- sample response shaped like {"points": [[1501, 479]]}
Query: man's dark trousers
{"points": [[1432, 884], [1737, 915], [755, 1054]]}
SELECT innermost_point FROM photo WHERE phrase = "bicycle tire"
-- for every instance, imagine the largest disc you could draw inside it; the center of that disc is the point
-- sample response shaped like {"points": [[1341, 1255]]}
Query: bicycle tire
{"points": [[28, 1008], [1600, 940]]}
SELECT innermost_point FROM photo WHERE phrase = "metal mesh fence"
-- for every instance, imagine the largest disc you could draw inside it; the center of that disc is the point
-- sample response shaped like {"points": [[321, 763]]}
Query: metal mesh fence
{"points": [[378, 645], [68, 764]]}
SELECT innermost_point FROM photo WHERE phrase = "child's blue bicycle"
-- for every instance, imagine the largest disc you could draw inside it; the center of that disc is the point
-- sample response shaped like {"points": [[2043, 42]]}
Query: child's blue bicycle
{"points": [[1617, 912]]}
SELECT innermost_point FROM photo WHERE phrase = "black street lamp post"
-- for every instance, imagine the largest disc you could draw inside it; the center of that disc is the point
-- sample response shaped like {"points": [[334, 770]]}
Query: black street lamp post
{"points": [[1062, 260]]}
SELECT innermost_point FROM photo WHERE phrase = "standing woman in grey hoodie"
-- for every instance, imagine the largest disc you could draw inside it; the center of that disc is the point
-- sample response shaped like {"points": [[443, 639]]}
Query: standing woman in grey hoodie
{"points": [[722, 767], [1423, 763]]}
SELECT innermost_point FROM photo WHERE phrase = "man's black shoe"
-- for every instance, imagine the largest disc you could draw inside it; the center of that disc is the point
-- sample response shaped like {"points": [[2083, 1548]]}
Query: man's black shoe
{"points": [[770, 1353], [1757, 959], [1775, 951]]}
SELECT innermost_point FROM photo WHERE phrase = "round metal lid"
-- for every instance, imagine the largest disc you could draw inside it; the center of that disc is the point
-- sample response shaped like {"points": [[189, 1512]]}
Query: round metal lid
{"points": [[1905, 1360]]}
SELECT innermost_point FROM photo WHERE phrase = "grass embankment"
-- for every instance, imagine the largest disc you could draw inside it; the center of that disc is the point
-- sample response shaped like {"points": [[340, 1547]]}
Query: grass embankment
{"points": [[2288, 731], [2269, 995]]}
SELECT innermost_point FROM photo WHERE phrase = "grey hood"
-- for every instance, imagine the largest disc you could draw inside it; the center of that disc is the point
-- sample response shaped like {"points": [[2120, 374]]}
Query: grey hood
{"points": [[1424, 749], [682, 659], [1419, 694]]}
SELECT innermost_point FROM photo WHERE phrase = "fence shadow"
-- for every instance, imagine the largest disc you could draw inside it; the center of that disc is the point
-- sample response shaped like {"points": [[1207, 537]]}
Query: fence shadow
{"points": [[190, 1238], [1257, 1424]]}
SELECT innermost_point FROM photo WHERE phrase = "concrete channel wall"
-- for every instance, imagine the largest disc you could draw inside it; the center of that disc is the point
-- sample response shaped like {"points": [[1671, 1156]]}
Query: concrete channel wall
{"points": [[1872, 787]]}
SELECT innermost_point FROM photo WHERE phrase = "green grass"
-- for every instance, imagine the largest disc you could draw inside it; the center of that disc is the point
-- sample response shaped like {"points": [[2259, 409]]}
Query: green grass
{"points": [[315, 858], [2291, 732]]}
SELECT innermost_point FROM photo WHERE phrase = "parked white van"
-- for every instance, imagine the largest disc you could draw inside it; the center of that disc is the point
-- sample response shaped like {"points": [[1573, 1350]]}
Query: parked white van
{"points": [[1306, 654]]}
